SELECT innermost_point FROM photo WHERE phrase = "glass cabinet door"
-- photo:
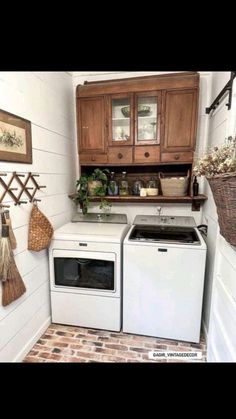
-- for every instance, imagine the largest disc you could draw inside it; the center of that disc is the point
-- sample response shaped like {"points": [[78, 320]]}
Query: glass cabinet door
{"points": [[147, 118], [121, 120]]}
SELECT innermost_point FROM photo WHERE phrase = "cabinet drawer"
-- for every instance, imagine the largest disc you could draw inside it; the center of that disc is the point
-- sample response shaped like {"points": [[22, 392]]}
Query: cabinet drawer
{"points": [[178, 156], [146, 154], [120, 155], [92, 158]]}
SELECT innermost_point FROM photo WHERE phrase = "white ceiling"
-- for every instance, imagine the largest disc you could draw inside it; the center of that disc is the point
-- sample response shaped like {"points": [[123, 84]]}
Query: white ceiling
{"points": [[92, 73]]}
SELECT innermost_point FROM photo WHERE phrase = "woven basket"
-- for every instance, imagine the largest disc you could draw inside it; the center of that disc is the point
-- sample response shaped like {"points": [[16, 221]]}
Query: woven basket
{"points": [[40, 231], [174, 186], [224, 192]]}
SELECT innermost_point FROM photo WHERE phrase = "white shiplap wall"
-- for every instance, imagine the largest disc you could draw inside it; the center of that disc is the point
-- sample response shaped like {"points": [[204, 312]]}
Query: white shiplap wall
{"points": [[133, 209], [220, 286], [47, 100]]}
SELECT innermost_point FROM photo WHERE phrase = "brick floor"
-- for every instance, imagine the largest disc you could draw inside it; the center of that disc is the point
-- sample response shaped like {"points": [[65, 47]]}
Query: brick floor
{"points": [[77, 344]]}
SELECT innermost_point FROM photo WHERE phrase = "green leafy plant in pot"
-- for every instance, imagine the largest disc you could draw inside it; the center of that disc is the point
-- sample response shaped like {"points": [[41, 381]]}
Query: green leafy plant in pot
{"points": [[89, 185], [97, 182]]}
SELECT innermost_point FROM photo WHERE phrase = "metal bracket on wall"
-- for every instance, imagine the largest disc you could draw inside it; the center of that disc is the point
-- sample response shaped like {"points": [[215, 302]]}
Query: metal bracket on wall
{"points": [[228, 88], [23, 188]]}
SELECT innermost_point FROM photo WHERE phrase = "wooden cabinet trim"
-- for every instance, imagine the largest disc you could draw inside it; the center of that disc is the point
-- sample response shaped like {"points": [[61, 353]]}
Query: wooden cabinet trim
{"points": [[138, 84]]}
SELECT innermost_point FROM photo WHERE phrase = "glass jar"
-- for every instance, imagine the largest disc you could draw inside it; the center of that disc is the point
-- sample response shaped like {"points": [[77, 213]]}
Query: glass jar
{"points": [[123, 185], [112, 185], [152, 183], [137, 185], [152, 189]]}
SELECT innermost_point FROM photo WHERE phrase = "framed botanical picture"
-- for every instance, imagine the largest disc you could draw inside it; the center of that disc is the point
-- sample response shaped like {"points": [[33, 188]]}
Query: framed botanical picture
{"points": [[15, 138]]}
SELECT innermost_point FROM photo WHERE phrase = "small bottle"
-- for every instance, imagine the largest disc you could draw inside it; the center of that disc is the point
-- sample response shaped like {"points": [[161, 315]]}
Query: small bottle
{"points": [[112, 185], [195, 186], [123, 185]]}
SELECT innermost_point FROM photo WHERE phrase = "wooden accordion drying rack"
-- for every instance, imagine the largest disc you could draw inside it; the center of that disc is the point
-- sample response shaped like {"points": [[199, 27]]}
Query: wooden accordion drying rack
{"points": [[29, 191]]}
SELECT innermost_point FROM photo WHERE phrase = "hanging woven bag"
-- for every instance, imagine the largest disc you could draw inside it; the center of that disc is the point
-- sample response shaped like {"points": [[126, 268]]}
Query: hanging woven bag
{"points": [[40, 230]]}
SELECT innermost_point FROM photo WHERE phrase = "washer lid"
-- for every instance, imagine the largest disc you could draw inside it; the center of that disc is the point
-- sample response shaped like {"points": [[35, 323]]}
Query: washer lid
{"points": [[93, 232], [164, 234], [164, 220]]}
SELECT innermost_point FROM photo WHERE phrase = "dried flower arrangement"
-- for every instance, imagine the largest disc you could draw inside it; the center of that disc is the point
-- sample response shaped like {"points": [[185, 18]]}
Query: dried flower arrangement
{"points": [[218, 161], [219, 167]]}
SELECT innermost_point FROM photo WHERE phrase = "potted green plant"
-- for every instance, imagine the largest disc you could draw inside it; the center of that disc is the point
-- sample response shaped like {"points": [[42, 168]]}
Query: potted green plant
{"points": [[88, 185], [97, 182]]}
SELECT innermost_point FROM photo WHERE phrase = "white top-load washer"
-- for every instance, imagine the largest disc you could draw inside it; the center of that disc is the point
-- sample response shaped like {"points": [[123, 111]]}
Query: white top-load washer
{"points": [[163, 278], [86, 271]]}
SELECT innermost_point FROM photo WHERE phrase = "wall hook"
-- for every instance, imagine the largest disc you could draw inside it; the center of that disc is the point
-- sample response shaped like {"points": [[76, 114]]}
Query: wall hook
{"points": [[21, 202], [29, 191], [19, 174], [4, 206]]}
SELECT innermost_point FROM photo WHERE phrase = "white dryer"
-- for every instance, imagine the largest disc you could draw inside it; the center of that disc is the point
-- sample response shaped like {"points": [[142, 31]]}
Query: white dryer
{"points": [[163, 278], [86, 271]]}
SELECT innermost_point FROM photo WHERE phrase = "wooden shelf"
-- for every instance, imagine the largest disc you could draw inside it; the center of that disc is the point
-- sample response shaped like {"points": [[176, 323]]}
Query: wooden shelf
{"points": [[196, 201]]}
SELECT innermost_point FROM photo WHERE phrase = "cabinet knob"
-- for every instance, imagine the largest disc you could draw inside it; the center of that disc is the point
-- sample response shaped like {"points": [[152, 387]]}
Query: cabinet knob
{"points": [[85, 127], [93, 158], [146, 154], [176, 156], [120, 155]]}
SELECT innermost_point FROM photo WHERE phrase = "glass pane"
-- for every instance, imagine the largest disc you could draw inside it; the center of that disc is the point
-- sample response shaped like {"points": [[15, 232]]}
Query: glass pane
{"points": [[84, 273], [121, 119], [147, 118]]}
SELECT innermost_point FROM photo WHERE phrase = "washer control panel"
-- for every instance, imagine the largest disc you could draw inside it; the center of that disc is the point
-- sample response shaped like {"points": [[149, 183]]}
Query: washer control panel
{"points": [[164, 220]]}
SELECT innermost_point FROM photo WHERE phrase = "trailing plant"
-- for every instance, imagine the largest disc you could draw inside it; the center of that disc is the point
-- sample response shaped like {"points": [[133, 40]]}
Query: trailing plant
{"points": [[105, 206], [83, 198]]}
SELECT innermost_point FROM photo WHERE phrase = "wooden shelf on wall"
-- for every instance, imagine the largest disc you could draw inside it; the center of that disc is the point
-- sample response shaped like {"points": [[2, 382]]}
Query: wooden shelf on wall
{"points": [[196, 201]]}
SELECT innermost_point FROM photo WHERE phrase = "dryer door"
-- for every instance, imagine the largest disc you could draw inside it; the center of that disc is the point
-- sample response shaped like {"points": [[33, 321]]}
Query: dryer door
{"points": [[84, 271]]}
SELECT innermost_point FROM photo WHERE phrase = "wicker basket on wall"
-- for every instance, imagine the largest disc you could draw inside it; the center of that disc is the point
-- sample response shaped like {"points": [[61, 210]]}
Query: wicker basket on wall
{"points": [[40, 230], [174, 185], [223, 188]]}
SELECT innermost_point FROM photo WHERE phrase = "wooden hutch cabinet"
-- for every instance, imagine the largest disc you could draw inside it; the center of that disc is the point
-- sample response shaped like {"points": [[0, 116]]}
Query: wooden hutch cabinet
{"points": [[143, 122]]}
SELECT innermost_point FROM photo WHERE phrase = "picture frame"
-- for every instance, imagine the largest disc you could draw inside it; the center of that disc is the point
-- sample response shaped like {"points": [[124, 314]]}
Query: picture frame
{"points": [[15, 138]]}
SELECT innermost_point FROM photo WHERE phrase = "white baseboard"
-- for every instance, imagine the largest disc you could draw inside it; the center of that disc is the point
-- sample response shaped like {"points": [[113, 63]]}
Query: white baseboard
{"points": [[21, 355]]}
